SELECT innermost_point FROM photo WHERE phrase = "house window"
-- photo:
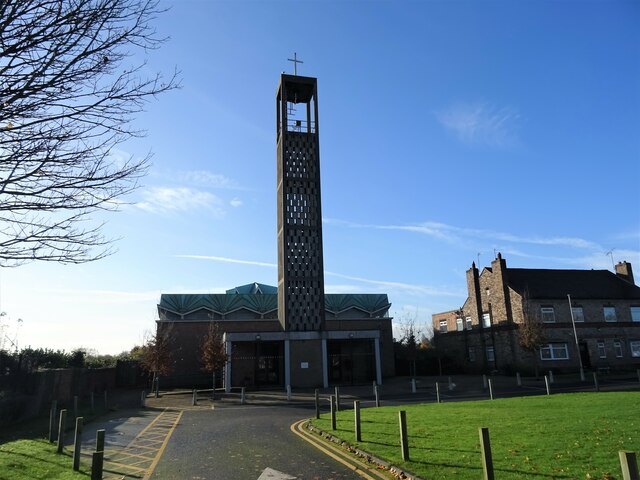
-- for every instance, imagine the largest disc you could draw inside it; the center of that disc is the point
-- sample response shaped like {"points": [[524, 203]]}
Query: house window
{"points": [[578, 314], [548, 315], [459, 324], [634, 346], [609, 314], [472, 354], [443, 326], [554, 351], [486, 320], [602, 351], [635, 314], [491, 356], [617, 346], [468, 323]]}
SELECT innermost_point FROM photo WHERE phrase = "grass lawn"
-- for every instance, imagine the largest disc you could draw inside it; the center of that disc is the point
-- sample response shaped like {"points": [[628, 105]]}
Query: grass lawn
{"points": [[36, 459], [573, 436]]}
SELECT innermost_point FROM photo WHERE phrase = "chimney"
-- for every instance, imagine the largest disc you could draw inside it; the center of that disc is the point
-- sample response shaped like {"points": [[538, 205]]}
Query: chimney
{"points": [[473, 287], [623, 270]]}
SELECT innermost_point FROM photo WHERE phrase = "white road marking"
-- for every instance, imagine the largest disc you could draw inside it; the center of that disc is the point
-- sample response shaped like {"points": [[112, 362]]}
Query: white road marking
{"points": [[271, 474]]}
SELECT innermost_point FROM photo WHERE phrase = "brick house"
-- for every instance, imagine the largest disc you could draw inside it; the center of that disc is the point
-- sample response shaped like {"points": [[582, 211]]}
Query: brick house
{"points": [[483, 335]]}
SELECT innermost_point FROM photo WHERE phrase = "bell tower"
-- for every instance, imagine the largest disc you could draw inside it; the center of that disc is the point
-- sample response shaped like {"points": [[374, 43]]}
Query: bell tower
{"points": [[300, 260]]}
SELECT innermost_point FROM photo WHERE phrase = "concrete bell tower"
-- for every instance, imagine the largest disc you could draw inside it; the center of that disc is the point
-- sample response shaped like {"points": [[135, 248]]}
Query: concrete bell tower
{"points": [[300, 260]]}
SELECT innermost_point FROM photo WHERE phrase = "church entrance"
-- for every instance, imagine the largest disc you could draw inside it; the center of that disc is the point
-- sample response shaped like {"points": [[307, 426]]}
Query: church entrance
{"points": [[351, 362], [258, 364]]}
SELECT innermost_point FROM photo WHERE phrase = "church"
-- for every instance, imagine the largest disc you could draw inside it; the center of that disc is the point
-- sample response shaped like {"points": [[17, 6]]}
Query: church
{"points": [[293, 334]]}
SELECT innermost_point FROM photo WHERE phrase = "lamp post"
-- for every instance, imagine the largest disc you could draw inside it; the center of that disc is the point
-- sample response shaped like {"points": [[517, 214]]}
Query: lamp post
{"points": [[575, 335]]}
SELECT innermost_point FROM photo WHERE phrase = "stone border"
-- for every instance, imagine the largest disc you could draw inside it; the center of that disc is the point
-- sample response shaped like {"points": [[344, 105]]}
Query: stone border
{"points": [[363, 455]]}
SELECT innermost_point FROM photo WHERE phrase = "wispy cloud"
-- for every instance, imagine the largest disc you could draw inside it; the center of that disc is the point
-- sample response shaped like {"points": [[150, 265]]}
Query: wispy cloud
{"points": [[412, 289], [409, 288], [453, 233], [209, 179], [481, 123], [181, 199], [229, 260], [236, 202]]}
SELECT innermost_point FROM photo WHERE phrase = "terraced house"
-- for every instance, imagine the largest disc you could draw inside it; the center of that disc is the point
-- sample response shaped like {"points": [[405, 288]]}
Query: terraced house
{"points": [[587, 318]]}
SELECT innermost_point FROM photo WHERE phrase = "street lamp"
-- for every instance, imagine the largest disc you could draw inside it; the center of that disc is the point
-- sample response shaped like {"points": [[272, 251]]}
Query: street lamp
{"points": [[575, 335]]}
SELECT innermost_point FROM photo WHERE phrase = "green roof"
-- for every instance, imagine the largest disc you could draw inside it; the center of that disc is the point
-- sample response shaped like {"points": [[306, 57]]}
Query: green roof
{"points": [[262, 298], [254, 289]]}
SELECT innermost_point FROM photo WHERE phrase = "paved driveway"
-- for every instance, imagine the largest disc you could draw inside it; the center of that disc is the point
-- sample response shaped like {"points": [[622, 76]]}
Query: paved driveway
{"points": [[239, 443]]}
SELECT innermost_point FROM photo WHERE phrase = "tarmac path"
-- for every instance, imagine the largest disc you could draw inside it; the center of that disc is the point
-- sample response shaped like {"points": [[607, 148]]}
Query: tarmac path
{"points": [[241, 443]]}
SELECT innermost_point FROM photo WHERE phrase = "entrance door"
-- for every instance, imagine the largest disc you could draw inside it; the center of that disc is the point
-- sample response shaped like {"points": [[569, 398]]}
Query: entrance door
{"points": [[584, 355], [351, 362], [268, 363]]}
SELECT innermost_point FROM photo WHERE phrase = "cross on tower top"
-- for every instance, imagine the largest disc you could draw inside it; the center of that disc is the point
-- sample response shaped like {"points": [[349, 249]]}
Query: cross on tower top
{"points": [[295, 63]]}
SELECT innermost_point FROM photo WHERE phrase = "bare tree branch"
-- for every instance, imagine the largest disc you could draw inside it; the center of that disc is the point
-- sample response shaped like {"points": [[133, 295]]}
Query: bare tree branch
{"points": [[69, 91]]}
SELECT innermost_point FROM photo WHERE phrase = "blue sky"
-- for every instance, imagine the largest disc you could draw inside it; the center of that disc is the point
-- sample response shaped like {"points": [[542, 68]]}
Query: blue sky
{"points": [[448, 130]]}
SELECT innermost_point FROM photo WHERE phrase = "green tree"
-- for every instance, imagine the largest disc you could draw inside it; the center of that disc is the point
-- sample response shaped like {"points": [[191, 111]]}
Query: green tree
{"points": [[70, 88]]}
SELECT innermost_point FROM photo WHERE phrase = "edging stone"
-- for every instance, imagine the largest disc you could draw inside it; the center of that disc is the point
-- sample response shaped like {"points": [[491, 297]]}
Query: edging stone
{"points": [[364, 455]]}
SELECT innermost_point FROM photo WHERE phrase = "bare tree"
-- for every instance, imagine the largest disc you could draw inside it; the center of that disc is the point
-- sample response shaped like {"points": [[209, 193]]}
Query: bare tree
{"points": [[531, 335], [157, 357], [410, 333], [213, 355], [69, 89]]}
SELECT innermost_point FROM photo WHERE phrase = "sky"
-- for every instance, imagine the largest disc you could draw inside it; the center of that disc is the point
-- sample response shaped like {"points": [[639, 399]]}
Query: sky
{"points": [[449, 131]]}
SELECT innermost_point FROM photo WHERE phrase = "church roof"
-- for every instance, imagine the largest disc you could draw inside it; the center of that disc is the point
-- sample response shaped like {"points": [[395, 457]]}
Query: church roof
{"points": [[254, 289], [262, 298], [580, 284]]}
